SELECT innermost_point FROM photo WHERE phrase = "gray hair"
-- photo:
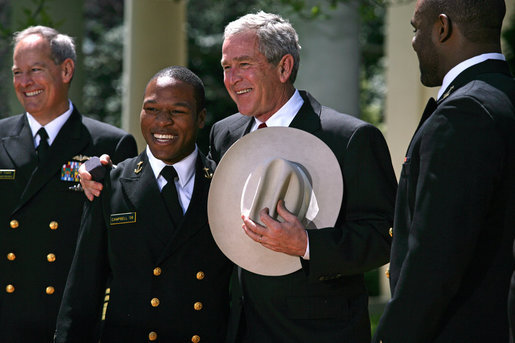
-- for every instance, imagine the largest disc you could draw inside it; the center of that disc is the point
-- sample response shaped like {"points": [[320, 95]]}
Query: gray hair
{"points": [[62, 46], [276, 37]]}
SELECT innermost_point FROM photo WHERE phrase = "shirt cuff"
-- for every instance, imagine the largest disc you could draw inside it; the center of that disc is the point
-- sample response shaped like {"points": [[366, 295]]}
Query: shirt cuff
{"points": [[306, 254]]}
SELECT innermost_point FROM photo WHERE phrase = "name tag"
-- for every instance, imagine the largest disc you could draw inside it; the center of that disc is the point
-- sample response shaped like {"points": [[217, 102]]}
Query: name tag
{"points": [[122, 218], [7, 174]]}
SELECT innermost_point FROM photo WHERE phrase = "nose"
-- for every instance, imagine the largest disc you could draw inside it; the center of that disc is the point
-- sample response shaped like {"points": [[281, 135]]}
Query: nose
{"points": [[164, 118], [232, 76], [22, 79]]}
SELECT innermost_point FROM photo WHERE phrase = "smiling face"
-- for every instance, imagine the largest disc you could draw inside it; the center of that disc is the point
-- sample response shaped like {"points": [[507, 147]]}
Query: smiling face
{"points": [[41, 85], [424, 46], [257, 87], [170, 119]]}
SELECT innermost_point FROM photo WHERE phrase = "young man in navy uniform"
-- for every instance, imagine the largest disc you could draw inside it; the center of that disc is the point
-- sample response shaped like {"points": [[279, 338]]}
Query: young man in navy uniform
{"points": [[148, 235]]}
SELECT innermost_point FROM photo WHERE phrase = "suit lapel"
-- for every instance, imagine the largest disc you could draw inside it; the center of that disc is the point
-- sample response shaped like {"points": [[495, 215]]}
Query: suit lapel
{"points": [[70, 141], [140, 186], [308, 117], [240, 127], [21, 151], [195, 217]]}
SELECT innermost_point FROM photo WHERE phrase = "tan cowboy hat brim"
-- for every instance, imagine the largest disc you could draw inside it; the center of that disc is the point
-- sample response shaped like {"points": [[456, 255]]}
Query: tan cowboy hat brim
{"points": [[231, 176]]}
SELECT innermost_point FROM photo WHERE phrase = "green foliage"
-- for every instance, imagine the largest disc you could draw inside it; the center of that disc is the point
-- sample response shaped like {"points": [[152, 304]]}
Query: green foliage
{"points": [[509, 40]]}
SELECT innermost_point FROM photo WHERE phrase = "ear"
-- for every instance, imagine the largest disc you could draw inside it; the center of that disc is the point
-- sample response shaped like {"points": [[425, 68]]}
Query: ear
{"points": [[285, 67], [444, 27], [68, 68], [201, 118]]}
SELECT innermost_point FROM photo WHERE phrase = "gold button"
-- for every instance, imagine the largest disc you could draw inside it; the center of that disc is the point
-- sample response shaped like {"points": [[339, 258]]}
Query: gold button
{"points": [[152, 336], [53, 225], [197, 306], [50, 290], [200, 275], [9, 289], [14, 224], [11, 256], [387, 273], [157, 271], [195, 339], [50, 258], [154, 302], [390, 232]]}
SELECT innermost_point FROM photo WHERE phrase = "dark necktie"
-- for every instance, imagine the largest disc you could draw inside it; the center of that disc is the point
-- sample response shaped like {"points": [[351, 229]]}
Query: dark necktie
{"points": [[262, 125], [170, 196], [43, 145]]}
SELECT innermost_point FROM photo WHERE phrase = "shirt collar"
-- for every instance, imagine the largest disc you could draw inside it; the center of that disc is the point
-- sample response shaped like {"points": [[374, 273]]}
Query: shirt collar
{"points": [[284, 116], [52, 128], [459, 68], [185, 168]]}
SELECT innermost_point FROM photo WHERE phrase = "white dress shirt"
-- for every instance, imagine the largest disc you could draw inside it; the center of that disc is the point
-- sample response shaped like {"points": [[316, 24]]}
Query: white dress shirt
{"points": [[460, 67], [52, 128], [185, 170]]}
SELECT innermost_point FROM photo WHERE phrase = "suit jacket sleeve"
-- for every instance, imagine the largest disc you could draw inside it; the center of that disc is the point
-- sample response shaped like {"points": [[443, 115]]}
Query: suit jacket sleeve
{"points": [[125, 148], [79, 315], [360, 240], [460, 158]]}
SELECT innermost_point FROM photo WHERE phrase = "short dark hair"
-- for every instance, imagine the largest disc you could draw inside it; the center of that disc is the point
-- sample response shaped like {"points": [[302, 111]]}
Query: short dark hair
{"points": [[185, 75], [479, 20], [62, 46]]}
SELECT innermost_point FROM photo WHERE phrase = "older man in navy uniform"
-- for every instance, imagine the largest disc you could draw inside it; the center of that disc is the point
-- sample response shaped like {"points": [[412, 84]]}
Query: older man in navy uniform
{"points": [[40, 151]]}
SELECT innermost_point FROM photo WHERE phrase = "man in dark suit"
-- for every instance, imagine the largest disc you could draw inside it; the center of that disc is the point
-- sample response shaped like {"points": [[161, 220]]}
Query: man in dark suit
{"points": [[40, 153], [326, 300], [169, 282], [454, 221]]}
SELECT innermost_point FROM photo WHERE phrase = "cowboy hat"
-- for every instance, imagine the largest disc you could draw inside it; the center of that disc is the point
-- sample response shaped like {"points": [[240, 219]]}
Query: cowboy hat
{"points": [[261, 168]]}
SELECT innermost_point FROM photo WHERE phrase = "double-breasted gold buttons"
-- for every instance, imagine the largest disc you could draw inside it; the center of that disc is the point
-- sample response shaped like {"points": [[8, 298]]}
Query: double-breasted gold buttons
{"points": [[50, 257], [9, 289], [157, 271], [11, 256], [53, 225], [198, 306], [152, 336], [200, 275], [14, 224], [155, 302], [50, 290], [195, 339], [390, 232]]}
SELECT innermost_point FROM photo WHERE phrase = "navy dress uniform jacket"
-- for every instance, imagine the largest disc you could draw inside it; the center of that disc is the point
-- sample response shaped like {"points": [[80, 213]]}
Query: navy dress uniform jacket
{"points": [[325, 301], [40, 218], [455, 216], [164, 286]]}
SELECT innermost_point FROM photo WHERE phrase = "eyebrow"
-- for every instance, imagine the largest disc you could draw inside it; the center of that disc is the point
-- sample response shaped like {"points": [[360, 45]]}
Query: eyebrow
{"points": [[237, 59]]}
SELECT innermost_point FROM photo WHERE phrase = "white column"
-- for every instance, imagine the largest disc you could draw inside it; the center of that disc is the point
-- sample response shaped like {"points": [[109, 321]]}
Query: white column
{"points": [[155, 38], [330, 58]]}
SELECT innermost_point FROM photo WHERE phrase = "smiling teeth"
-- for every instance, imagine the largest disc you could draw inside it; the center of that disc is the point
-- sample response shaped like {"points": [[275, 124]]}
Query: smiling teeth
{"points": [[162, 136], [243, 91], [33, 93]]}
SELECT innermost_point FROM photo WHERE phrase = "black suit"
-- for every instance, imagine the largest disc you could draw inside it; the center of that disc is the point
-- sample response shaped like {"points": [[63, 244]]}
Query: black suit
{"points": [[455, 217], [191, 284], [40, 219], [326, 300]]}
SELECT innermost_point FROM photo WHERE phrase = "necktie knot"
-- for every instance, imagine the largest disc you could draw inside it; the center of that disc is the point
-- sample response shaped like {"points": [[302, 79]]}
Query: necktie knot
{"points": [[169, 173], [43, 134], [262, 125]]}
